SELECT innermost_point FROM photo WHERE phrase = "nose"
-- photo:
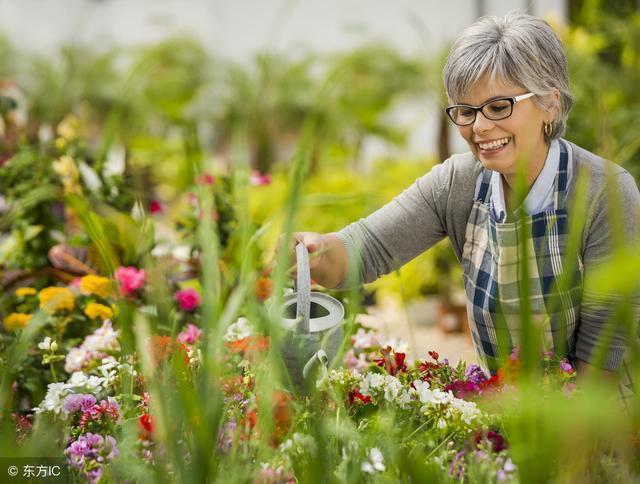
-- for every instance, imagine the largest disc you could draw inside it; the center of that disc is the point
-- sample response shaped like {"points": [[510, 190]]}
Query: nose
{"points": [[482, 124]]}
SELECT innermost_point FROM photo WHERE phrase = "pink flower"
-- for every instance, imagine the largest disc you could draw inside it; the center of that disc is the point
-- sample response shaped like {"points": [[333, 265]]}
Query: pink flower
{"points": [[206, 179], [258, 178], [75, 282], [130, 279], [190, 335], [188, 299], [565, 366], [155, 207]]}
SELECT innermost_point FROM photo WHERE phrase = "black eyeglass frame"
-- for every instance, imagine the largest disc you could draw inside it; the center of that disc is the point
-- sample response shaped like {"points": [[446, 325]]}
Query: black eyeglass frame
{"points": [[512, 100]]}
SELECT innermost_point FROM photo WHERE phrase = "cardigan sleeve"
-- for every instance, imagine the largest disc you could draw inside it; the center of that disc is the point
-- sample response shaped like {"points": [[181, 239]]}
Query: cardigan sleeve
{"points": [[599, 303], [402, 229]]}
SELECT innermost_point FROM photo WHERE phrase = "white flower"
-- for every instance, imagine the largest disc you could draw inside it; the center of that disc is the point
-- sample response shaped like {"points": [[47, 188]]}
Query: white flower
{"points": [[103, 338], [375, 462], [239, 330], [371, 381], [392, 388], [78, 379], [398, 345], [425, 394], [405, 397], [54, 400], [48, 344], [365, 339], [76, 359]]}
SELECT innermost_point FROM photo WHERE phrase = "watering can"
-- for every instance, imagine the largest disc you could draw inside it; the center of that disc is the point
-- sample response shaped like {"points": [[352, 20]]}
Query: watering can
{"points": [[314, 326]]}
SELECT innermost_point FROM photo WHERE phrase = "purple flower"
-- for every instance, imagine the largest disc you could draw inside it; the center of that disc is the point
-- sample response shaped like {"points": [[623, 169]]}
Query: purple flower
{"points": [[565, 366], [475, 374], [90, 452], [79, 401]]}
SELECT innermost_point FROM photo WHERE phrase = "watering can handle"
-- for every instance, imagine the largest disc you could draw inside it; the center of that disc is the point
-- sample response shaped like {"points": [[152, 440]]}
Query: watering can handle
{"points": [[303, 288]]}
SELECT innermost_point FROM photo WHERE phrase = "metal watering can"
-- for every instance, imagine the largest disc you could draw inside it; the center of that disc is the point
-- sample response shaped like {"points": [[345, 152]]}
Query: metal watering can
{"points": [[314, 326]]}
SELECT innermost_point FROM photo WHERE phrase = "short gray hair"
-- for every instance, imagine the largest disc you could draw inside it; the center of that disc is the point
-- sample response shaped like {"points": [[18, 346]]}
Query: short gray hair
{"points": [[517, 48]]}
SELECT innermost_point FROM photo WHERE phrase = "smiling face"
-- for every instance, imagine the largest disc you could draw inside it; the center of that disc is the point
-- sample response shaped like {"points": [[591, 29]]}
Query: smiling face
{"points": [[498, 145]]}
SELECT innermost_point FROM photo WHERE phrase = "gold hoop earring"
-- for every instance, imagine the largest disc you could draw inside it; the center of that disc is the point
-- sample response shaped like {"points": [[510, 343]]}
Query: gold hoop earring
{"points": [[548, 129]]}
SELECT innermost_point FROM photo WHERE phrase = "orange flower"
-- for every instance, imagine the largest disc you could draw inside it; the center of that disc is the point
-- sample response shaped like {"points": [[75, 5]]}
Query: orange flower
{"points": [[250, 344], [163, 347], [263, 288]]}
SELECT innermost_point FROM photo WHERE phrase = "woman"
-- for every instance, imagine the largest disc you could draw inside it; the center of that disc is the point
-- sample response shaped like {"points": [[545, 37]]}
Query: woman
{"points": [[507, 81]]}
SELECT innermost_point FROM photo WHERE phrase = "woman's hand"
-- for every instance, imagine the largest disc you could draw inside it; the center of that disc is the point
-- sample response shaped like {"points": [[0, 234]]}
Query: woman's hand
{"points": [[328, 258]]}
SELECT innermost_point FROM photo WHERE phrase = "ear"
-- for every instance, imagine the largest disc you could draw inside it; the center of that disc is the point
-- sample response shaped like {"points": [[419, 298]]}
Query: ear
{"points": [[554, 97]]}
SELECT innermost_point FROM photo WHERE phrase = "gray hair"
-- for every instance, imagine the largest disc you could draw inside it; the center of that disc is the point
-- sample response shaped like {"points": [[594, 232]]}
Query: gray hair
{"points": [[518, 49]]}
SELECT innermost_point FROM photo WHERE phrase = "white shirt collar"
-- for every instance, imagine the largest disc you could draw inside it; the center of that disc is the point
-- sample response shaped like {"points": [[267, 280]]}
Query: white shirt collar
{"points": [[541, 192]]}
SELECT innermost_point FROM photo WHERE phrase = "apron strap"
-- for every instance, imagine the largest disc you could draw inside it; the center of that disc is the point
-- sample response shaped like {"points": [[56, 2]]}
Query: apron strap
{"points": [[561, 181], [483, 186]]}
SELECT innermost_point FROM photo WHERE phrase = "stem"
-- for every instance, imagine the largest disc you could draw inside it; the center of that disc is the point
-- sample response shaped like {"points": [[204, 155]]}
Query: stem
{"points": [[439, 445], [53, 372]]}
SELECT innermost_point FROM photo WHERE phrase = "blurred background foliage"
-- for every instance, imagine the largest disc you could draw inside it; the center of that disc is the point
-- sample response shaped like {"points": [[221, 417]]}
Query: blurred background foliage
{"points": [[162, 109]]}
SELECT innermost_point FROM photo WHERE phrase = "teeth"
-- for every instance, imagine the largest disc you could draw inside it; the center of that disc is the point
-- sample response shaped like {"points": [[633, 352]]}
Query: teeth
{"points": [[494, 144]]}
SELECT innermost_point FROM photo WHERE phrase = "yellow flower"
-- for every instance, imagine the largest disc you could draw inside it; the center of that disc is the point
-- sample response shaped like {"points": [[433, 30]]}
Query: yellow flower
{"points": [[25, 291], [95, 310], [56, 299], [69, 127], [66, 168], [17, 320], [100, 286]]}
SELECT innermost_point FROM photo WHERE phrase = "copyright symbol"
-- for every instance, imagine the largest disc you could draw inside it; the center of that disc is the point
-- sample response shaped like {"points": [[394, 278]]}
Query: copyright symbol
{"points": [[12, 471]]}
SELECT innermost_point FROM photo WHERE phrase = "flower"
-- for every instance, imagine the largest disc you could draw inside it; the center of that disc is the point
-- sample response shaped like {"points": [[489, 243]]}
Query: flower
{"points": [[566, 367], [66, 168], [95, 310], [364, 339], [76, 359], [258, 178], [391, 361], [96, 285], [90, 452], [155, 207], [188, 299], [56, 299], [54, 399], [69, 127], [190, 335], [146, 422], [263, 288], [130, 279], [79, 401], [241, 329], [25, 291], [375, 462], [48, 344], [17, 320], [205, 179]]}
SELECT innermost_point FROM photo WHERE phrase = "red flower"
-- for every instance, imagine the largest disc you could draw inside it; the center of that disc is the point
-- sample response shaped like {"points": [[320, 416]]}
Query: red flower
{"points": [[434, 355], [356, 396], [155, 207], [146, 422], [391, 361], [205, 179]]}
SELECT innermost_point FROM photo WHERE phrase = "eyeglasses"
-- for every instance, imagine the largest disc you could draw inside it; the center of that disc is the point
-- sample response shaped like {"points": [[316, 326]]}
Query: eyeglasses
{"points": [[495, 109]]}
